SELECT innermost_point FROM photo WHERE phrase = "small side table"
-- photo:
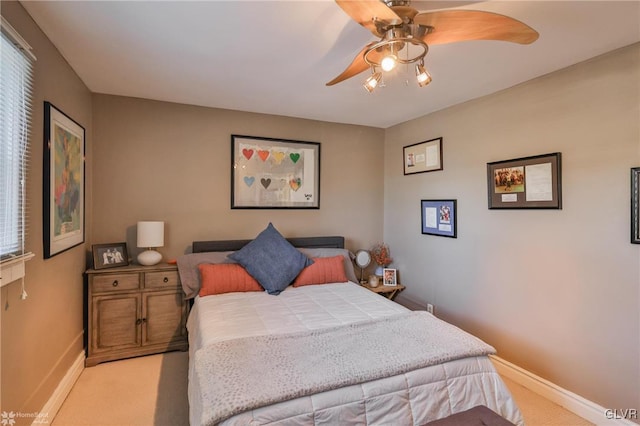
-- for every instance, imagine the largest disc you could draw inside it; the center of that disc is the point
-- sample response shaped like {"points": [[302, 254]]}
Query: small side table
{"points": [[388, 291]]}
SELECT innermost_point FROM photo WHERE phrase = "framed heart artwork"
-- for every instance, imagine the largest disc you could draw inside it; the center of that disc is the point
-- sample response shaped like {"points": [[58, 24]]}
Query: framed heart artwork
{"points": [[271, 173]]}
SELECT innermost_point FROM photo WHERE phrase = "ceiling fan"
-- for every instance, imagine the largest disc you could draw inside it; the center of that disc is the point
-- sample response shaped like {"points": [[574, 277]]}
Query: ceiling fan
{"points": [[405, 35]]}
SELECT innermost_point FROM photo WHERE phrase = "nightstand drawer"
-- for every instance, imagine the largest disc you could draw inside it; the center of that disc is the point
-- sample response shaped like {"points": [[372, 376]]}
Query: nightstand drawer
{"points": [[114, 282], [161, 279]]}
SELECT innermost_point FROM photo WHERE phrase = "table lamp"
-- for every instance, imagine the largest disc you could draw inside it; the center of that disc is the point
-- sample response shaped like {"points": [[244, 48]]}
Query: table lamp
{"points": [[150, 236]]}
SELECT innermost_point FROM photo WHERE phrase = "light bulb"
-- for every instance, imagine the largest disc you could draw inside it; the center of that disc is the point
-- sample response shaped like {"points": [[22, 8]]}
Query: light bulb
{"points": [[372, 82], [422, 75], [388, 62]]}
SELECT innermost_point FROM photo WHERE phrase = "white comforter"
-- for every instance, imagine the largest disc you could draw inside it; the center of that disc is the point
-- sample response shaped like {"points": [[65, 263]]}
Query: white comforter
{"points": [[414, 397]]}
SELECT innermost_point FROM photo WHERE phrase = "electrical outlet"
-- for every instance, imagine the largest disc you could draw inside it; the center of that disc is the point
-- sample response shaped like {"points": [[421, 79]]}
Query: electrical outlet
{"points": [[430, 308]]}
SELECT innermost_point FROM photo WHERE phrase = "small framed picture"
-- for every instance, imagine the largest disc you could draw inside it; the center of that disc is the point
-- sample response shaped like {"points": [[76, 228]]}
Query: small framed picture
{"points": [[439, 217], [423, 156], [390, 277], [109, 255]]}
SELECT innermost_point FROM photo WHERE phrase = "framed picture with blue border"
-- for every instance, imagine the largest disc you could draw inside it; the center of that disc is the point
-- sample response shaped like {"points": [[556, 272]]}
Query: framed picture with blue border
{"points": [[439, 217]]}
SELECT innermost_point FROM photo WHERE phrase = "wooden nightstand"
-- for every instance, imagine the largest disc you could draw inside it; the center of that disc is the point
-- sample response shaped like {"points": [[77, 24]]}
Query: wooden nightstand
{"points": [[390, 292], [134, 310]]}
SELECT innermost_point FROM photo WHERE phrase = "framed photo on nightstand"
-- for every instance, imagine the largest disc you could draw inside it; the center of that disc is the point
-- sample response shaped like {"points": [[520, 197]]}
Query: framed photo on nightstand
{"points": [[109, 255], [390, 277]]}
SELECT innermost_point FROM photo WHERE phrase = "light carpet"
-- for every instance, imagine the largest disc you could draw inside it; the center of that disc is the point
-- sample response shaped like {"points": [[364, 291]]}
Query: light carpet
{"points": [[152, 390]]}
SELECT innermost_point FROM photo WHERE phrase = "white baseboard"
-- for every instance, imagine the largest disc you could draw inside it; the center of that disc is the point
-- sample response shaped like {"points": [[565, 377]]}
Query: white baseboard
{"points": [[54, 403], [575, 403]]}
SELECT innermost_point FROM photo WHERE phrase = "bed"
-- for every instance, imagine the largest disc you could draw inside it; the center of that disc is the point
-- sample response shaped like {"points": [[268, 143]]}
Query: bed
{"points": [[334, 353]]}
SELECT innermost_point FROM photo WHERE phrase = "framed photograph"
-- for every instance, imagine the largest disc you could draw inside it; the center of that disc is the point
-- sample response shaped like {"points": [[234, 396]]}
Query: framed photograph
{"points": [[525, 183], [422, 157], [390, 277], [274, 173], [109, 255], [439, 217], [635, 205], [63, 182]]}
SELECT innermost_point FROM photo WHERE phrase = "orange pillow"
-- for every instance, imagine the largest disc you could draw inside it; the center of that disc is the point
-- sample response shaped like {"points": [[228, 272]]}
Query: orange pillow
{"points": [[324, 270], [225, 278]]}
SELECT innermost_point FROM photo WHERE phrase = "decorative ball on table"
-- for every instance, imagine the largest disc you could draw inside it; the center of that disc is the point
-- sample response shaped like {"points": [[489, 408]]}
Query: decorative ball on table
{"points": [[382, 256]]}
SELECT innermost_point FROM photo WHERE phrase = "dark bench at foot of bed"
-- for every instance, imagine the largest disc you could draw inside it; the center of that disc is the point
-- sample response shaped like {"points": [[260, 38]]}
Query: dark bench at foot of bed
{"points": [[477, 416]]}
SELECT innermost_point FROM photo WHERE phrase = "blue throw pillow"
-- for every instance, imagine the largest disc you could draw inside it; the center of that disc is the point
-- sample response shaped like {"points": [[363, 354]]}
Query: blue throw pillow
{"points": [[271, 260]]}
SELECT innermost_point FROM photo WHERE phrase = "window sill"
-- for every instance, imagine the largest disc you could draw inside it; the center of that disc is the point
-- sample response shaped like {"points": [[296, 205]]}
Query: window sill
{"points": [[13, 269]]}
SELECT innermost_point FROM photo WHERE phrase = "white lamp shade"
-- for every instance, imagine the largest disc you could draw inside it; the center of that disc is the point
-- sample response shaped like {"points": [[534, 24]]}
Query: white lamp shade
{"points": [[150, 234]]}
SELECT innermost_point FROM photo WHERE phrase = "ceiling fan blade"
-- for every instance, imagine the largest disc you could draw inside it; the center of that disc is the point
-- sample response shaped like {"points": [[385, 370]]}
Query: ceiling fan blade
{"points": [[367, 12], [450, 26], [356, 66]]}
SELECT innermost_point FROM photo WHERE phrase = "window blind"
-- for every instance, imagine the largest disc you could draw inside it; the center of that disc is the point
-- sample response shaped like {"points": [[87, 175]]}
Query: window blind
{"points": [[16, 81]]}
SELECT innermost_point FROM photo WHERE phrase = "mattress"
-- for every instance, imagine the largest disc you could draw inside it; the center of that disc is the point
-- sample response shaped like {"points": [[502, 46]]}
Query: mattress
{"points": [[415, 397]]}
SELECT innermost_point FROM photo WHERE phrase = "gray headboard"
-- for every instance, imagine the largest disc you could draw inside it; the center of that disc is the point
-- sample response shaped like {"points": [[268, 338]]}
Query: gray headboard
{"points": [[233, 245]]}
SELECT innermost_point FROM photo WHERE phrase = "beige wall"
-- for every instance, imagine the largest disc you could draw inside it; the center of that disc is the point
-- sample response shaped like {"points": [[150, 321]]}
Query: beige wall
{"points": [[172, 162], [555, 291], [43, 335]]}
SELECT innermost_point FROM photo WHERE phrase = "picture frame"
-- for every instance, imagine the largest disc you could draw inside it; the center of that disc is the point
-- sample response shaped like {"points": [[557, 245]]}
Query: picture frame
{"points": [[439, 217], [271, 173], [63, 182], [389, 277], [109, 255], [422, 157], [635, 205], [526, 183]]}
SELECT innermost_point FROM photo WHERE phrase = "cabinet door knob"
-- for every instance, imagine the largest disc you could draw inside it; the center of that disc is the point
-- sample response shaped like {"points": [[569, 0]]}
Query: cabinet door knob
{"points": [[165, 280], [138, 321], [115, 283]]}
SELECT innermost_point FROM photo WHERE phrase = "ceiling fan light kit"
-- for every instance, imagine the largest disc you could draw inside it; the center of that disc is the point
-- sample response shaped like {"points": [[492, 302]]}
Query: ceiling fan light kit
{"points": [[405, 35], [372, 82], [422, 76], [396, 48]]}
